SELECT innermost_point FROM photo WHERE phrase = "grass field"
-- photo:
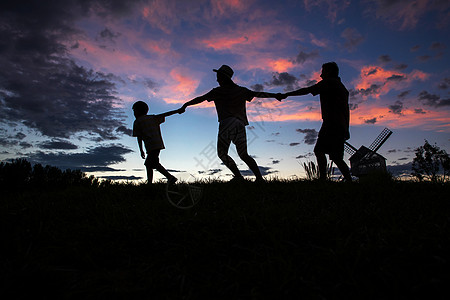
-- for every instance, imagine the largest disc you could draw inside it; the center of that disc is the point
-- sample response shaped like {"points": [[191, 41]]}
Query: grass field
{"points": [[377, 239]]}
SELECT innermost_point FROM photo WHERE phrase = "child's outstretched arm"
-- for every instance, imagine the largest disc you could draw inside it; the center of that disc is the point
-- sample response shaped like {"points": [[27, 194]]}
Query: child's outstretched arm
{"points": [[172, 112]]}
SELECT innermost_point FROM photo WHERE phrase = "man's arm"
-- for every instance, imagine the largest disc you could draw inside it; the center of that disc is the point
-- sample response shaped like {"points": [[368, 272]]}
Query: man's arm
{"points": [[277, 96], [194, 101]]}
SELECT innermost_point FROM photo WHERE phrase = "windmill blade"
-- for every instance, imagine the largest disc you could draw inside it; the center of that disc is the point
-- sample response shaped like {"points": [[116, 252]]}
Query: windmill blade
{"points": [[379, 141], [349, 148]]}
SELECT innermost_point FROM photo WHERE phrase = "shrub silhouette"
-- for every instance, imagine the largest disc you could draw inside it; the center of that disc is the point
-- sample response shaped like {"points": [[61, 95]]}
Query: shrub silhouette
{"points": [[20, 173]]}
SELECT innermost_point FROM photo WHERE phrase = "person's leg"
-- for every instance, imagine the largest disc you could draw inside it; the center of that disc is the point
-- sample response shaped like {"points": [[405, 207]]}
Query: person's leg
{"points": [[172, 179], [322, 164], [343, 167], [149, 170], [337, 156], [157, 165], [321, 159], [223, 144], [240, 140]]}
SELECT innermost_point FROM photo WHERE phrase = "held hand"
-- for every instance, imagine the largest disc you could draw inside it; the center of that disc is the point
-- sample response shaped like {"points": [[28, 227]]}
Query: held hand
{"points": [[280, 96], [182, 109]]}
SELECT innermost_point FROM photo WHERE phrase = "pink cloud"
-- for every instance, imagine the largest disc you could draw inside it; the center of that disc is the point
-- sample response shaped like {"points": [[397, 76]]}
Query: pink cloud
{"points": [[409, 118], [376, 81], [297, 110], [181, 87], [323, 43]]}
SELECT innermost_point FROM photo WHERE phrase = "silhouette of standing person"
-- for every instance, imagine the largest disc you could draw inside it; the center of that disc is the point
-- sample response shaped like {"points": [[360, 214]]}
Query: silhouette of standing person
{"points": [[230, 102], [336, 117], [147, 130]]}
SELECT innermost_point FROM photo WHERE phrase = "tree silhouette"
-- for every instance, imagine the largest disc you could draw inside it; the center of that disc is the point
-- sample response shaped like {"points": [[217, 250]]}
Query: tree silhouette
{"points": [[428, 162]]}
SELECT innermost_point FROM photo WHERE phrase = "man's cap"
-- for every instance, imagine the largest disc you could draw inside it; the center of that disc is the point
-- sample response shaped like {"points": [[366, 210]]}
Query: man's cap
{"points": [[226, 70]]}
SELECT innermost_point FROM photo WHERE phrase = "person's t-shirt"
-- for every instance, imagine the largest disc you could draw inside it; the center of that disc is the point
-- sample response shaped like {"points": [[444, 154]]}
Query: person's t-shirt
{"points": [[230, 101], [334, 106], [147, 128]]}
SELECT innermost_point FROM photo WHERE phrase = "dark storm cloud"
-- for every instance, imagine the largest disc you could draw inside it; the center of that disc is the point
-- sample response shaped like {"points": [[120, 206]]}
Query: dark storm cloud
{"points": [[41, 86], [352, 38], [151, 84], [20, 136], [25, 145], [8, 142], [371, 121], [283, 79], [372, 90], [100, 156], [396, 108], [257, 87], [119, 177], [433, 100], [106, 35], [301, 156], [310, 135], [384, 58], [125, 130], [396, 78], [264, 171], [423, 58], [444, 84], [400, 67], [303, 57], [437, 46], [353, 106], [210, 172], [275, 162], [100, 169], [402, 95], [419, 111], [58, 144], [294, 144], [175, 171]]}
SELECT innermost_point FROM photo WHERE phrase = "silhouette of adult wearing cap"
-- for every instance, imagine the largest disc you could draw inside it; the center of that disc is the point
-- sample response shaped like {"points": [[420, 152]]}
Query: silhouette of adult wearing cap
{"points": [[230, 102]]}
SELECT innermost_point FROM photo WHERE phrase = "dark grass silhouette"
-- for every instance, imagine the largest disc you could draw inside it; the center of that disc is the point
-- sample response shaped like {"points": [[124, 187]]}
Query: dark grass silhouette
{"points": [[373, 239]]}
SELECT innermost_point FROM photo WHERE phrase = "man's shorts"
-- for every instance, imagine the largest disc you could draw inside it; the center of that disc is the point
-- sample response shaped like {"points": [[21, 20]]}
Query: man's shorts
{"points": [[152, 159], [232, 130], [334, 147]]}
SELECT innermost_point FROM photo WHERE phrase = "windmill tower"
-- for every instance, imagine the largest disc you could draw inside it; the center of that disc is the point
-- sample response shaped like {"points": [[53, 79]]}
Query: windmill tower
{"points": [[366, 160]]}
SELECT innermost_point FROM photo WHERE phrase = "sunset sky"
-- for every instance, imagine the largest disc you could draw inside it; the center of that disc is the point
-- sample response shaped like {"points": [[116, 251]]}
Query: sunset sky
{"points": [[71, 70]]}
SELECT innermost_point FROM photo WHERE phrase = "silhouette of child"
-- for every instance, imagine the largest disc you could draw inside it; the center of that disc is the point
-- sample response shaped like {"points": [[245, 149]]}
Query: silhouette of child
{"points": [[146, 129], [335, 115]]}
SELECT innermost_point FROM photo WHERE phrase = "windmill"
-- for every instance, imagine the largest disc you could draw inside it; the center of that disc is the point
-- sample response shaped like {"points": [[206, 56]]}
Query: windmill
{"points": [[366, 160]]}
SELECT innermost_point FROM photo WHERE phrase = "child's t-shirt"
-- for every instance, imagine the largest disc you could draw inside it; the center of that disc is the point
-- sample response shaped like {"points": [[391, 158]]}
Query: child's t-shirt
{"points": [[147, 128]]}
